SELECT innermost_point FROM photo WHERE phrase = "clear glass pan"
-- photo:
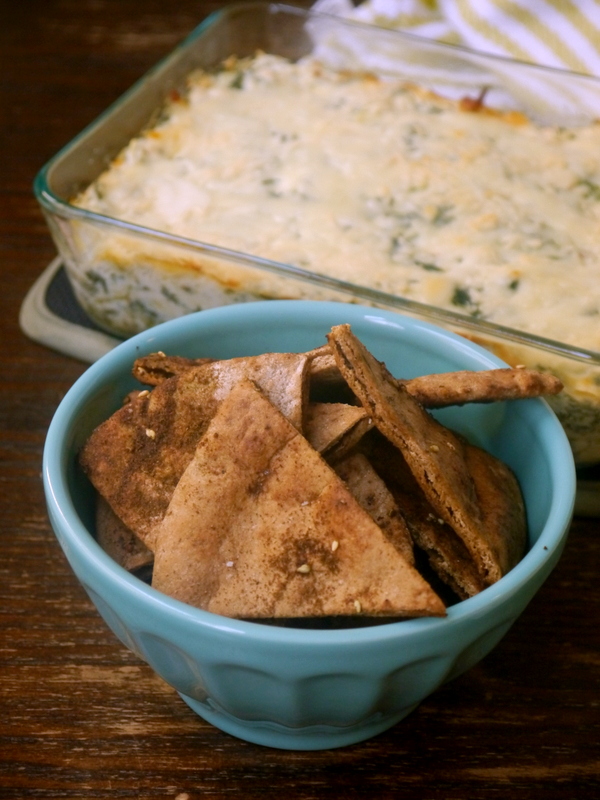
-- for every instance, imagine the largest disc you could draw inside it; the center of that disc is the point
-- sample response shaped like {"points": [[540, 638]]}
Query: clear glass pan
{"points": [[547, 95]]}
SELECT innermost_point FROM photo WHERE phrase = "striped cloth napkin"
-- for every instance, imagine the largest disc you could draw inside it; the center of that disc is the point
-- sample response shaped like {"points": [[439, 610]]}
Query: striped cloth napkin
{"points": [[555, 33]]}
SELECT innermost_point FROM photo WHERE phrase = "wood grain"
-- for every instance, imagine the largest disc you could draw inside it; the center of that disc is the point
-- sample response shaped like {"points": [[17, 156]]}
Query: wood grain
{"points": [[80, 716]]}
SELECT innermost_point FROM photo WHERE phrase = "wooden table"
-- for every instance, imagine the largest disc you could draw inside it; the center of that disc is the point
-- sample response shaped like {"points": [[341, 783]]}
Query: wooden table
{"points": [[80, 716]]}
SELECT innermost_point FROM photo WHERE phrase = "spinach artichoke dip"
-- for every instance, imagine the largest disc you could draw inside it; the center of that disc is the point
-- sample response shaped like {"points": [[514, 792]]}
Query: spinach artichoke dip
{"points": [[370, 181]]}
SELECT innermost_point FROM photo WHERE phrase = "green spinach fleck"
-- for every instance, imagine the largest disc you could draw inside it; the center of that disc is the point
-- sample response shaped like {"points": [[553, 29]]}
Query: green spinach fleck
{"points": [[461, 297], [442, 216], [427, 265], [591, 189], [238, 81]]}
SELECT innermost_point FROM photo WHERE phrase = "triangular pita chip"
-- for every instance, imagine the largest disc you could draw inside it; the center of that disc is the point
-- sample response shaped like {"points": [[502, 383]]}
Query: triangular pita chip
{"points": [[373, 495], [118, 541], [502, 505], [136, 457], [335, 427], [436, 457], [259, 527], [158, 367], [326, 382], [439, 390], [446, 553]]}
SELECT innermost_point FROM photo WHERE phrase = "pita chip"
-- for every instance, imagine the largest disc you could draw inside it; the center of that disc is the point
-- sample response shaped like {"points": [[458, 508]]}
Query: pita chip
{"points": [[376, 499], [334, 428], [439, 390], [118, 541], [260, 527], [447, 555], [485, 386], [432, 391], [136, 457], [158, 367], [326, 382], [436, 457], [502, 505]]}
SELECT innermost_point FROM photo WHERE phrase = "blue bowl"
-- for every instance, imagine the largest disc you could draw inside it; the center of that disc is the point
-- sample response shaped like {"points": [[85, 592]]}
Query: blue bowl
{"points": [[298, 688]]}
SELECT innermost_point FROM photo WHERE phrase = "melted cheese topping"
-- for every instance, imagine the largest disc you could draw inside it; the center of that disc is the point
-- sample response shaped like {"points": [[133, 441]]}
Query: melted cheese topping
{"points": [[378, 184]]}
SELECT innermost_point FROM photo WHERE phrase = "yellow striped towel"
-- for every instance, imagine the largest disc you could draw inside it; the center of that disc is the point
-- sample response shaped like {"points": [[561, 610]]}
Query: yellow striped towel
{"points": [[555, 33]]}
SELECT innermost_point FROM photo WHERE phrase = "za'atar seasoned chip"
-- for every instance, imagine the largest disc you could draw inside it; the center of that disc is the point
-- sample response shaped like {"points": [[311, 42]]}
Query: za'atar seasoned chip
{"points": [[439, 459], [136, 458], [334, 428], [374, 496], [260, 526], [309, 485]]}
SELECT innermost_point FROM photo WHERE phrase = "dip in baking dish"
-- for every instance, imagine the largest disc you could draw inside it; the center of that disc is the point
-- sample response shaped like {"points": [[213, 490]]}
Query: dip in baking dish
{"points": [[370, 181]]}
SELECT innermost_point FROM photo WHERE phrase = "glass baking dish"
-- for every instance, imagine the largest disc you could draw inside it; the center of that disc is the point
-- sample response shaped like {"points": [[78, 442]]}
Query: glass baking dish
{"points": [[201, 274]]}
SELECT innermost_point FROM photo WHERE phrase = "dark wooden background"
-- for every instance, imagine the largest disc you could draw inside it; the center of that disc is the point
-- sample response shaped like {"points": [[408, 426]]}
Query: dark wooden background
{"points": [[80, 717]]}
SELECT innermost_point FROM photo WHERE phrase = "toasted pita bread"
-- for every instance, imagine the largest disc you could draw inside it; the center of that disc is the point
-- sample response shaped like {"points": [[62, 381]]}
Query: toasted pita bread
{"points": [[326, 382], [487, 386], [443, 389], [376, 499], [432, 391], [259, 527], [334, 428], [118, 541], [436, 457], [158, 367], [501, 501], [136, 457], [445, 551]]}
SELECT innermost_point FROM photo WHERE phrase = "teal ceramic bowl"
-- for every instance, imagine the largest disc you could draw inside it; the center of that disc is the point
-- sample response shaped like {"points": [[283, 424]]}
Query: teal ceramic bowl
{"points": [[298, 688]]}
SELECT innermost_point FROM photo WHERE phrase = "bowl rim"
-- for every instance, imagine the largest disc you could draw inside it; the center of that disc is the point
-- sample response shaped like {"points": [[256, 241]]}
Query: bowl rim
{"points": [[75, 537]]}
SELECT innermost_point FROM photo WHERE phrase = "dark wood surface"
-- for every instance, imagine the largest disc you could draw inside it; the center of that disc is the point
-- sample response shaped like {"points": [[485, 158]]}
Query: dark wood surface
{"points": [[80, 716]]}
